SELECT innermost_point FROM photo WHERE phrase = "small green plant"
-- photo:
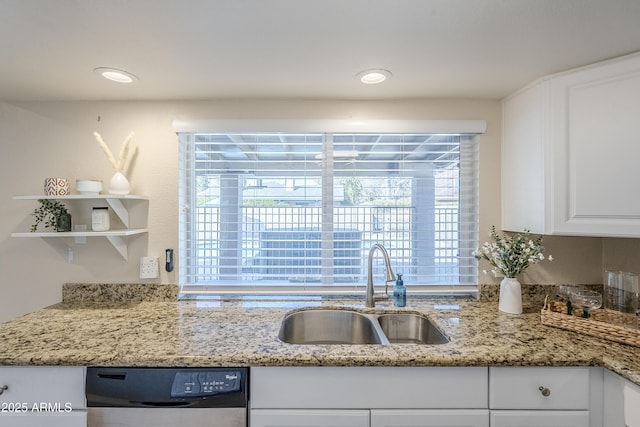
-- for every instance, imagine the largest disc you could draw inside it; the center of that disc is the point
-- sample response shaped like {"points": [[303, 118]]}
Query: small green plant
{"points": [[49, 212], [511, 255]]}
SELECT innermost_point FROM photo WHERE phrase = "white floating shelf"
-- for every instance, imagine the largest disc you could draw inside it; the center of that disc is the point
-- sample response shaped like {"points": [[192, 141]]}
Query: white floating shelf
{"points": [[110, 233], [115, 237], [82, 197]]}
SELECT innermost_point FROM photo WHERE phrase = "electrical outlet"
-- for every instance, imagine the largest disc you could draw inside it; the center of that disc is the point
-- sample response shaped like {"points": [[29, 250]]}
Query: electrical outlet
{"points": [[149, 267]]}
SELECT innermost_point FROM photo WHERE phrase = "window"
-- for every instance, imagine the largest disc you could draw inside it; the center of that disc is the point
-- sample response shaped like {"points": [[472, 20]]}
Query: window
{"points": [[284, 211]]}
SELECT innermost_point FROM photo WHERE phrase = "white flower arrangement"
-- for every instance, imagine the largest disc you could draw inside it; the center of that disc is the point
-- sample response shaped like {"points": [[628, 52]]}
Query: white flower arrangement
{"points": [[122, 163], [511, 256]]}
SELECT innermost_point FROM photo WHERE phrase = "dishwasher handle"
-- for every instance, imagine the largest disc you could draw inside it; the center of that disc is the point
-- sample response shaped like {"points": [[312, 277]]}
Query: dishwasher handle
{"points": [[161, 404]]}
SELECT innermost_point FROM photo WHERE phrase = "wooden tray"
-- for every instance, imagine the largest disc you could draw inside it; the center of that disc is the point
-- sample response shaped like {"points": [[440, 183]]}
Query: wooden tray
{"points": [[612, 326]]}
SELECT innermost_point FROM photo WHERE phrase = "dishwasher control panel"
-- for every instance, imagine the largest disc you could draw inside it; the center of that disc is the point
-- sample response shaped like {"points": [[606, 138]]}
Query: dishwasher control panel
{"points": [[205, 383]]}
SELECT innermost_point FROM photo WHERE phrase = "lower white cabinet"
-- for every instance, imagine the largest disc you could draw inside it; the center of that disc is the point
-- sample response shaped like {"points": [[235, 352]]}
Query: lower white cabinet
{"points": [[51, 396], [369, 418], [631, 404], [429, 418], [369, 387], [428, 397], [72, 419], [539, 419], [539, 388], [369, 396], [621, 402], [309, 418], [545, 396]]}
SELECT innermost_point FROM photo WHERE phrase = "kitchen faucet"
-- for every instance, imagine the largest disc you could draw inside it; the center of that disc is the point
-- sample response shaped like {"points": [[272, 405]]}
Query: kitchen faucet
{"points": [[370, 298]]}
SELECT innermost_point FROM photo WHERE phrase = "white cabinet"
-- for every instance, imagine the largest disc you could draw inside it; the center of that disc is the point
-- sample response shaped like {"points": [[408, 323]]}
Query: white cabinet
{"points": [[613, 400], [363, 396], [631, 404], [539, 388], [372, 418], [369, 387], [569, 162], [545, 396], [72, 419], [429, 418], [120, 206], [37, 396], [539, 419], [621, 402], [427, 396], [309, 418]]}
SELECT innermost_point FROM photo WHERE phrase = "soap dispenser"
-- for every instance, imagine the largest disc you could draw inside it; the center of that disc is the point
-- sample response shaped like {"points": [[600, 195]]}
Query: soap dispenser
{"points": [[399, 293]]}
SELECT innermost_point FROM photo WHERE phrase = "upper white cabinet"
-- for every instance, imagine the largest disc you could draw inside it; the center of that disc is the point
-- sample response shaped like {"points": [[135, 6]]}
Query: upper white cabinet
{"points": [[570, 153]]}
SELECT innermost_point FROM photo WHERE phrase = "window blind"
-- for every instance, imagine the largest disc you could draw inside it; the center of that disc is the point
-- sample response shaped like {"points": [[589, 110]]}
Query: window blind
{"points": [[301, 210]]}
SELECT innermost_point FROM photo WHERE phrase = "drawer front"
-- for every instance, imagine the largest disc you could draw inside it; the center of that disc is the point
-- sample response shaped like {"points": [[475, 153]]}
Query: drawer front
{"points": [[539, 388], [71, 419], [309, 418], [51, 388], [369, 387], [539, 418], [429, 418]]}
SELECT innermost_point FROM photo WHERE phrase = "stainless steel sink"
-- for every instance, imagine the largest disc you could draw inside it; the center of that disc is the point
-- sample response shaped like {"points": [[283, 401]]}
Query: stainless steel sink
{"points": [[331, 326], [401, 328], [328, 327]]}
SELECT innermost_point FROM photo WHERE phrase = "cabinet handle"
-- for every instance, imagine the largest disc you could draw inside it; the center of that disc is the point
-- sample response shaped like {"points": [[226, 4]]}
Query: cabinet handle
{"points": [[545, 391], [4, 388]]}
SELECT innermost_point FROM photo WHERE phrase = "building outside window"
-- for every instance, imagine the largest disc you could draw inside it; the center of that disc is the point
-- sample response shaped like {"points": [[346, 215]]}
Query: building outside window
{"points": [[298, 212]]}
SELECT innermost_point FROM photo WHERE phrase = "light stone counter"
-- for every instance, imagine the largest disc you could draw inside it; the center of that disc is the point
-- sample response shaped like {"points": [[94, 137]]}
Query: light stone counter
{"points": [[244, 333]]}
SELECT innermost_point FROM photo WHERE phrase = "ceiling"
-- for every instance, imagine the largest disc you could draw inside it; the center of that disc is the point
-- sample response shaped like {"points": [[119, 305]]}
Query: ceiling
{"points": [[210, 49]]}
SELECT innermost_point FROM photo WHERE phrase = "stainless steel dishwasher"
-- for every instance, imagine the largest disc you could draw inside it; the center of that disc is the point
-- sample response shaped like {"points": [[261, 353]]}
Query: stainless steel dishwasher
{"points": [[167, 397]]}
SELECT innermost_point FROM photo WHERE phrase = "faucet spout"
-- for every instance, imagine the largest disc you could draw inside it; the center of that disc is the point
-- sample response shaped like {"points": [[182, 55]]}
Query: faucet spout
{"points": [[370, 298]]}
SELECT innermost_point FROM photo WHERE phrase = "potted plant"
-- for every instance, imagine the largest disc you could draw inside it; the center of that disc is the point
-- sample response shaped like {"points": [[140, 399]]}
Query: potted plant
{"points": [[510, 256], [53, 214]]}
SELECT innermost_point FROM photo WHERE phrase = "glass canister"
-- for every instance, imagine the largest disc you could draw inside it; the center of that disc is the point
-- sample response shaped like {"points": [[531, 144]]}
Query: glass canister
{"points": [[100, 219]]}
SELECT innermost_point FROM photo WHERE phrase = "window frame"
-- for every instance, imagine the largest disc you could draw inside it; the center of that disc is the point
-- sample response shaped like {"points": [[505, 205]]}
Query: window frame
{"points": [[474, 127]]}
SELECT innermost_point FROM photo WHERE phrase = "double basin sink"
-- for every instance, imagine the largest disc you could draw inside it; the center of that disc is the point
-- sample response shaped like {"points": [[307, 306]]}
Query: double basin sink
{"points": [[336, 326]]}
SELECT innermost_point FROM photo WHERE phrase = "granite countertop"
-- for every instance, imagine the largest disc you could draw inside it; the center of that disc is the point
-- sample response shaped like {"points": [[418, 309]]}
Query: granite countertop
{"points": [[245, 333]]}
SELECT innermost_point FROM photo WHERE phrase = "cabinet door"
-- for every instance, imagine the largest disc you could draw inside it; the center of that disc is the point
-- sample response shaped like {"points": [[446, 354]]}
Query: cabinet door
{"points": [[631, 405], [539, 418], [594, 115], [429, 418], [54, 386], [71, 419], [613, 400], [525, 177], [569, 162], [308, 418], [567, 388], [368, 387]]}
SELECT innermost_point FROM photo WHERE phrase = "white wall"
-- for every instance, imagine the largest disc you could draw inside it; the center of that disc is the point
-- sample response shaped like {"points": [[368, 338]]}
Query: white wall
{"points": [[42, 140]]}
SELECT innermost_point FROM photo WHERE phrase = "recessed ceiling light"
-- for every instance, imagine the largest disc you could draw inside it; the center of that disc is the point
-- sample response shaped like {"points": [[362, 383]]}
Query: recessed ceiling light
{"points": [[373, 77], [115, 75]]}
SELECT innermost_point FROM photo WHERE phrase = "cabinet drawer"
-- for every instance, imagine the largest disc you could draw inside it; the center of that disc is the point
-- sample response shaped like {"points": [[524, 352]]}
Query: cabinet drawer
{"points": [[539, 388], [50, 386], [71, 419], [369, 387], [539, 418], [429, 418], [309, 418]]}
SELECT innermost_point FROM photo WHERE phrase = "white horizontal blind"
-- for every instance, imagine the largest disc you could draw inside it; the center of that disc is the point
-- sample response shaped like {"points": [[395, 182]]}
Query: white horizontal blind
{"points": [[302, 210]]}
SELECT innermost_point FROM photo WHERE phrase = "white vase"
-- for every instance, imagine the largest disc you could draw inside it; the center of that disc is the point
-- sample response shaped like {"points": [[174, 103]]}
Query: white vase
{"points": [[119, 185], [510, 296]]}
